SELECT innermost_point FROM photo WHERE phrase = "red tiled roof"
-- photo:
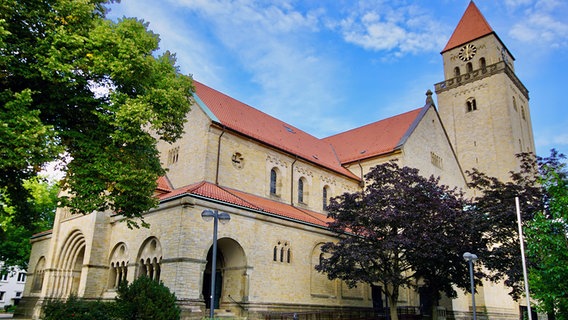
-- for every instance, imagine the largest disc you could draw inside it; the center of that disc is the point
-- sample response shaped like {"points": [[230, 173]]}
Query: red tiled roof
{"points": [[374, 139], [471, 26], [253, 123], [242, 199], [164, 184]]}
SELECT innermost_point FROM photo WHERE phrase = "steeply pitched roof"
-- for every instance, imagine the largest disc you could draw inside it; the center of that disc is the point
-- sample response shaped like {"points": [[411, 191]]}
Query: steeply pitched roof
{"points": [[376, 138], [242, 199], [164, 185], [253, 123], [471, 26]]}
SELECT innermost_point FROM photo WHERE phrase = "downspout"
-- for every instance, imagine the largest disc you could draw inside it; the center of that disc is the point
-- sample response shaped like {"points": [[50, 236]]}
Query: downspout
{"points": [[218, 156], [362, 182], [292, 182]]}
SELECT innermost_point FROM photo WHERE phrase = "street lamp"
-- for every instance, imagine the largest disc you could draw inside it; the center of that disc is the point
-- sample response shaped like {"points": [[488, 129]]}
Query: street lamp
{"points": [[216, 216], [470, 258]]}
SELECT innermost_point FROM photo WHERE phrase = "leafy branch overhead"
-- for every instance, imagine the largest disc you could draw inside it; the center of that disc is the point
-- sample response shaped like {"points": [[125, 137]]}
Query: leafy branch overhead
{"points": [[75, 85]]}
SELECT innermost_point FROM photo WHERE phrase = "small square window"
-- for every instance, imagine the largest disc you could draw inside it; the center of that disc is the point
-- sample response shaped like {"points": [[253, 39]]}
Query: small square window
{"points": [[21, 277]]}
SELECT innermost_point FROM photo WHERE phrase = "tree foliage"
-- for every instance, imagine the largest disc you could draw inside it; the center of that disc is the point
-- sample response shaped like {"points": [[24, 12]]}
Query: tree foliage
{"points": [[547, 240], [15, 246], [401, 228], [142, 299], [496, 202], [79, 309], [145, 298], [75, 85]]}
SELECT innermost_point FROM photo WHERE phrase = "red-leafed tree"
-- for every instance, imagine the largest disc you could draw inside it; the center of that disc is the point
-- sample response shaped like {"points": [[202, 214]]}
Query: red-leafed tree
{"points": [[402, 231]]}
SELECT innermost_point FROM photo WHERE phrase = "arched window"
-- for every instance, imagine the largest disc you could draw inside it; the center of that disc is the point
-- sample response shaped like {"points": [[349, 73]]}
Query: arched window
{"points": [[471, 105], [301, 190], [469, 67], [273, 181], [39, 274], [150, 258], [325, 197], [456, 71], [514, 104], [282, 252], [275, 254], [482, 64]]}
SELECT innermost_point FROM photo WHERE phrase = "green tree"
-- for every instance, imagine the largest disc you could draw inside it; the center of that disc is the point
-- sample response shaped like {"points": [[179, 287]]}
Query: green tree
{"points": [[547, 240], [400, 229], [75, 85], [15, 243]]}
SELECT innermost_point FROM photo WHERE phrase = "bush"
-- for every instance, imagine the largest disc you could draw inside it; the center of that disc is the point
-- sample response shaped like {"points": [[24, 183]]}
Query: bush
{"points": [[9, 308], [146, 299], [79, 309]]}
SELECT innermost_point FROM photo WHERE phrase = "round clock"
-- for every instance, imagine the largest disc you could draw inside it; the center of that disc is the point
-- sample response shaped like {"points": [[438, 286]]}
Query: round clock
{"points": [[467, 52]]}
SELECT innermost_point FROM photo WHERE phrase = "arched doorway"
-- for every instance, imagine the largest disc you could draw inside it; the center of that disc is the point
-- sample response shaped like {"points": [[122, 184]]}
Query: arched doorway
{"points": [[231, 277]]}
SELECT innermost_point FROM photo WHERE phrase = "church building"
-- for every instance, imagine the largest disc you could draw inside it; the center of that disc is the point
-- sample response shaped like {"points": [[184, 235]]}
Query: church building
{"points": [[274, 181]]}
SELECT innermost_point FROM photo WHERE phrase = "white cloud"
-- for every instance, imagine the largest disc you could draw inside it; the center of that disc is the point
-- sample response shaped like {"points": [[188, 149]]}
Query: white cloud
{"points": [[400, 30], [542, 24]]}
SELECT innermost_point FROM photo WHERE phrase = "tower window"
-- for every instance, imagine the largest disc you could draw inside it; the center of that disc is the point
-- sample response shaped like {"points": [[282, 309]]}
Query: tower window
{"points": [[456, 71], [523, 112], [471, 105], [173, 155], [482, 64], [514, 104], [469, 67]]}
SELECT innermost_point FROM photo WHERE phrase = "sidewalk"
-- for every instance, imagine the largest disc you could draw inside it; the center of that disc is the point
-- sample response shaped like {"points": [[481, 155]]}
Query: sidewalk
{"points": [[5, 316]]}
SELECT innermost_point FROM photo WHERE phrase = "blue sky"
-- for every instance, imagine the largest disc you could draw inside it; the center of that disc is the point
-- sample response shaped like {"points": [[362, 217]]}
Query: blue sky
{"points": [[326, 66]]}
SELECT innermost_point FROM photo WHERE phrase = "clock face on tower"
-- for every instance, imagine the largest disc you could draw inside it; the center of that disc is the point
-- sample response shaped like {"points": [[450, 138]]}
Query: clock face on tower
{"points": [[467, 52]]}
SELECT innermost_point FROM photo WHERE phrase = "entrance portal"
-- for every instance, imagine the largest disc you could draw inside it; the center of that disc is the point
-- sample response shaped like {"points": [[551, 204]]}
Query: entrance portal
{"points": [[231, 279], [218, 280]]}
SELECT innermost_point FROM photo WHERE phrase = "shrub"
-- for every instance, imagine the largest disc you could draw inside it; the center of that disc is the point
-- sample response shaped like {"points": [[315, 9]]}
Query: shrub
{"points": [[79, 309], [146, 299]]}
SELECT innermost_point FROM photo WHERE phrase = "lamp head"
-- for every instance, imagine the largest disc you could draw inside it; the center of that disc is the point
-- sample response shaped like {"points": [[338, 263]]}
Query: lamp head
{"points": [[224, 217], [208, 215], [469, 257]]}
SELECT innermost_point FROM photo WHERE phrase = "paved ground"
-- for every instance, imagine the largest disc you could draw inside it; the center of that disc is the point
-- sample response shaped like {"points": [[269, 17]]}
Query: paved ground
{"points": [[5, 316]]}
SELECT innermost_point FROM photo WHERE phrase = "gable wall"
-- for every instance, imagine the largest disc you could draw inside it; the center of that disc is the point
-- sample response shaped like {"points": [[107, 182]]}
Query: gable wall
{"points": [[427, 142]]}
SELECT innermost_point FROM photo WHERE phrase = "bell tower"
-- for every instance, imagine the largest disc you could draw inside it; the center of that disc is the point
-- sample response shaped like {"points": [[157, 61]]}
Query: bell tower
{"points": [[483, 105]]}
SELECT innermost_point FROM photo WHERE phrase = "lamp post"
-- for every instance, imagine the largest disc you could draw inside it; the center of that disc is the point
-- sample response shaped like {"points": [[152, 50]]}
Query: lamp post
{"points": [[216, 216], [470, 258]]}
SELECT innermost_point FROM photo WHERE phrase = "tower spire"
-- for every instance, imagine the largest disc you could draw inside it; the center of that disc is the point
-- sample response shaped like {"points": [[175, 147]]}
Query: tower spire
{"points": [[471, 26]]}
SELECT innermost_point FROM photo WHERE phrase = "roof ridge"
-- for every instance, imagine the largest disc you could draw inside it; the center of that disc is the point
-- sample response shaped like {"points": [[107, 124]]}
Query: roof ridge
{"points": [[373, 123]]}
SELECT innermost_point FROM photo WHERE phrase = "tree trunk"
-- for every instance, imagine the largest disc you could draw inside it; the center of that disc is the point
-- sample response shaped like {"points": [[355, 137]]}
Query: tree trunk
{"points": [[393, 308]]}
